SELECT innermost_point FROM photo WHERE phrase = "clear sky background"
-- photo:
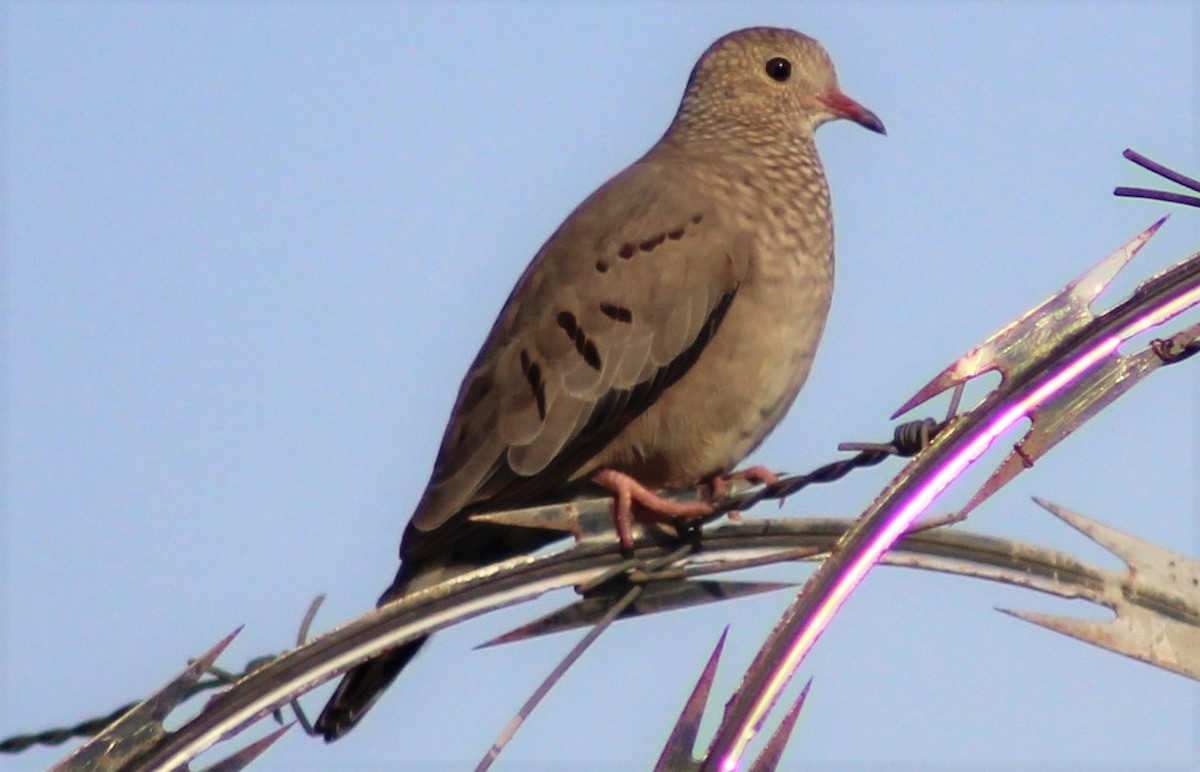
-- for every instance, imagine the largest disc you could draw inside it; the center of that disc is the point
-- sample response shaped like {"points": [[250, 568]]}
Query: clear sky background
{"points": [[251, 248]]}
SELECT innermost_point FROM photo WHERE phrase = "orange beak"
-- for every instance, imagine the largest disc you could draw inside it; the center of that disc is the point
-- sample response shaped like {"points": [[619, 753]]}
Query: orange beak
{"points": [[844, 107]]}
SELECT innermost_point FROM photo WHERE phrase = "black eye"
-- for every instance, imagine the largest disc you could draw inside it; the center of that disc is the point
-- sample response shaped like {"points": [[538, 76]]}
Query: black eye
{"points": [[779, 69]]}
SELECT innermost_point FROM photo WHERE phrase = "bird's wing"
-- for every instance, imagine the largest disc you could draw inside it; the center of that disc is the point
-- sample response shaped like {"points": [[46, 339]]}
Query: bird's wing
{"points": [[614, 308]]}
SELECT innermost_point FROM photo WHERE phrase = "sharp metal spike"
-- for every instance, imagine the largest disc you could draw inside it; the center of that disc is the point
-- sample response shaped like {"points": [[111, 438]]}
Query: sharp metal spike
{"points": [[142, 726], [565, 518], [678, 756], [245, 756], [584, 518], [1166, 635], [768, 760], [658, 596], [1136, 632], [1054, 319], [631, 593], [1149, 564], [1065, 412]]}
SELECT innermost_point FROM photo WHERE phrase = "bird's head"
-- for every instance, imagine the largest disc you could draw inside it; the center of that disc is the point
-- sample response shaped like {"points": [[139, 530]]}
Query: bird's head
{"points": [[763, 77]]}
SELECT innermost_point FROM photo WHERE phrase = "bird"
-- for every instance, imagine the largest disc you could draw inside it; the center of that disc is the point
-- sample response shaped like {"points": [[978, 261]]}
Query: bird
{"points": [[655, 339]]}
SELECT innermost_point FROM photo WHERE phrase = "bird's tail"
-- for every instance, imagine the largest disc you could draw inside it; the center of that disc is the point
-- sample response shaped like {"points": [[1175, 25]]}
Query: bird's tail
{"points": [[458, 552], [363, 684], [361, 687]]}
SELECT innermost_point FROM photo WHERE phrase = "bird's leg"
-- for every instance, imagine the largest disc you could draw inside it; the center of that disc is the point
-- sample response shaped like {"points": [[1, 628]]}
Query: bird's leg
{"points": [[628, 491], [718, 485]]}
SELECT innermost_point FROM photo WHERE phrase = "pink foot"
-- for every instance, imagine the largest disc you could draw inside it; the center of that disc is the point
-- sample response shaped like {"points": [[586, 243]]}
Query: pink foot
{"points": [[626, 491]]}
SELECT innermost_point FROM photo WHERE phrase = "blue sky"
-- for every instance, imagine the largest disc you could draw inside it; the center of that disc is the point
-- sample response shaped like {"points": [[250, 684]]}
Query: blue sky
{"points": [[250, 250]]}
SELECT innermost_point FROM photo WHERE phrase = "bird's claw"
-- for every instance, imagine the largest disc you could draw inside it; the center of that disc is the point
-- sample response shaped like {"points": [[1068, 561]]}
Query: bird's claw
{"points": [[719, 485], [627, 492]]}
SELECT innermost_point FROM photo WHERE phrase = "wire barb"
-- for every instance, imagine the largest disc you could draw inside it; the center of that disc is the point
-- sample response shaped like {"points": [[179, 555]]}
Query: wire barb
{"points": [[1165, 172], [908, 440], [219, 679]]}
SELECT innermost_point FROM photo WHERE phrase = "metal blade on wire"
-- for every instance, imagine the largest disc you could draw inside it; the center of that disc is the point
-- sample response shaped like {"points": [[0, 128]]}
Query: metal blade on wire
{"points": [[247, 755], [678, 754], [1076, 405], [1065, 312], [131, 735], [591, 519], [658, 597], [1132, 633], [1039, 356], [772, 753], [1167, 636]]}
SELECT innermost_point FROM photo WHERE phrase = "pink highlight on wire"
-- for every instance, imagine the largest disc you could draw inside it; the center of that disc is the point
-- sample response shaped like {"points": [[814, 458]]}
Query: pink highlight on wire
{"points": [[911, 509]]}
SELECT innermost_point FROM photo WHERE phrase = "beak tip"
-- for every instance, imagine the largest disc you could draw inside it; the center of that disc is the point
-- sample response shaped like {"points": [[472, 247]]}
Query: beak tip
{"points": [[843, 106], [867, 119]]}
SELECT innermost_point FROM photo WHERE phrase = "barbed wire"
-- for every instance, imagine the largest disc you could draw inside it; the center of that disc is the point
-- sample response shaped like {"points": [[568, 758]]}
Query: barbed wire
{"points": [[908, 439], [94, 726], [220, 678]]}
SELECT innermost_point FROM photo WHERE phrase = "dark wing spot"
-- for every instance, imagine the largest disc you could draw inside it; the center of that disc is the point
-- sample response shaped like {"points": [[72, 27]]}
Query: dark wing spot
{"points": [[591, 355], [479, 388], [533, 374], [601, 266], [566, 320], [651, 243], [586, 348], [648, 245], [696, 218], [616, 313]]}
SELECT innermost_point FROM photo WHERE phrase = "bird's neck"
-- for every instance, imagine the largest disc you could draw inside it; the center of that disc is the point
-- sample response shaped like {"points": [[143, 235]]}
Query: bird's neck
{"points": [[780, 155], [774, 176]]}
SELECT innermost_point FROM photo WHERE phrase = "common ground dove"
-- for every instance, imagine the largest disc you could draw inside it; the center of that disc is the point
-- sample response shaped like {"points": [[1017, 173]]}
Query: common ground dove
{"points": [[656, 338]]}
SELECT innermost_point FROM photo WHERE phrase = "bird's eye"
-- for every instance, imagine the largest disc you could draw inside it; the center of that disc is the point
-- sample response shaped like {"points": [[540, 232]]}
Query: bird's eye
{"points": [[779, 69]]}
